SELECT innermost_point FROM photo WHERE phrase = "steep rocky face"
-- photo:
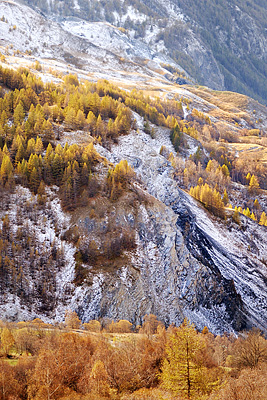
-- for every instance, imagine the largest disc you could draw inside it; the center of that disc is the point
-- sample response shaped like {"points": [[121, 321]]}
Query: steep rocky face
{"points": [[187, 264], [166, 279], [189, 50], [224, 252]]}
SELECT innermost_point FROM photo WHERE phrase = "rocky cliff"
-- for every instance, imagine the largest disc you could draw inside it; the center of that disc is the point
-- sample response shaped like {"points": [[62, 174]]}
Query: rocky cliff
{"points": [[187, 263]]}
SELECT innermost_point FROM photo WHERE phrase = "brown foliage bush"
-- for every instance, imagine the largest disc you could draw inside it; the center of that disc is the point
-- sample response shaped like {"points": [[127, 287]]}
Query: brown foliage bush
{"points": [[251, 385]]}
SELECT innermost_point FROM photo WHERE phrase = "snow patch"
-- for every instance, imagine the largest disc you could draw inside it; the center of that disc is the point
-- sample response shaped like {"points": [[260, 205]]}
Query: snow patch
{"points": [[76, 5]]}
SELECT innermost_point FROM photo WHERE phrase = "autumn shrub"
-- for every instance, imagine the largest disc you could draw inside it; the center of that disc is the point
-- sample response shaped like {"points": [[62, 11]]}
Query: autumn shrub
{"points": [[60, 363], [92, 326], [249, 350], [72, 320], [150, 324], [149, 394], [118, 241], [251, 384], [122, 326], [132, 364], [10, 387]]}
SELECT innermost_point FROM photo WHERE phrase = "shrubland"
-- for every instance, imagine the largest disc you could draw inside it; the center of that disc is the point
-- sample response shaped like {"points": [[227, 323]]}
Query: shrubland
{"points": [[115, 360]]}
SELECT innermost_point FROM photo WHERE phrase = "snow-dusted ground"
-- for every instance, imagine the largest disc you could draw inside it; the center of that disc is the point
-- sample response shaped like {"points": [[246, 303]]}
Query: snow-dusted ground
{"points": [[99, 49], [109, 38], [44, 228], [26, 30], [121, 43], [142, 151]]}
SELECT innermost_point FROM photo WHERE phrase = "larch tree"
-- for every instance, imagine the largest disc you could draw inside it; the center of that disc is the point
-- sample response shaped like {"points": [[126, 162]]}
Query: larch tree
{"points": [[6, 168], [39, 148], [7, 340], [47, 131], [257, 207], [72, 320], [247, 212], [99, 380], [225, 198], [99, 126], [80, 119], [180, 370], [91, 122], [70, 118], [20, 154], [248, 177], [263, 219], [254, 184], [225, 170], [19, 114]]}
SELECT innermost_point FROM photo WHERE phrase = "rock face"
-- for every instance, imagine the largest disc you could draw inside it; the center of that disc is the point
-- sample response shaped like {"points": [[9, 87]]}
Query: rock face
{"points": [[187, 264]]}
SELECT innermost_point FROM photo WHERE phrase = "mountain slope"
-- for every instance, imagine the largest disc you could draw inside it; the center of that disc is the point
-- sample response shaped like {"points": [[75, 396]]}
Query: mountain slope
{"points": [[83, 229], [186, 263], [27, 31], [220, 44], [205, 266]]}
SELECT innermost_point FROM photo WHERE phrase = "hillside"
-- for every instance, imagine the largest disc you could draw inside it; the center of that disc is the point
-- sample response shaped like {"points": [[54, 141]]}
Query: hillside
{"points": [[220, 44], [108, 234], [122, 192]]}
